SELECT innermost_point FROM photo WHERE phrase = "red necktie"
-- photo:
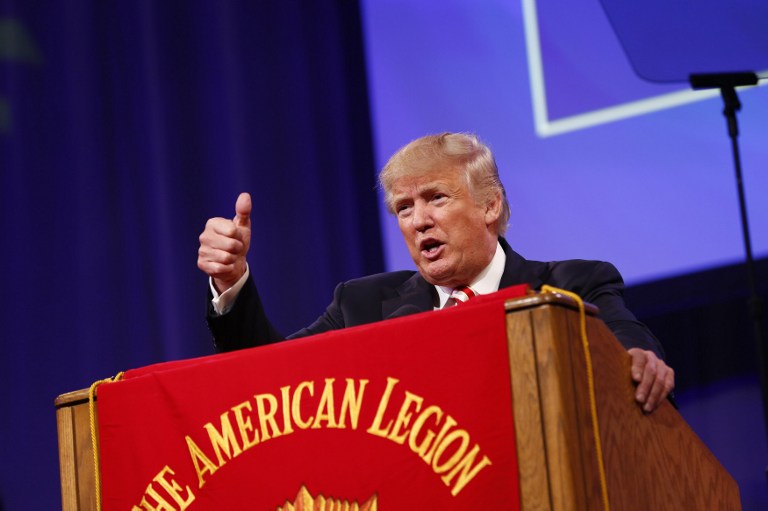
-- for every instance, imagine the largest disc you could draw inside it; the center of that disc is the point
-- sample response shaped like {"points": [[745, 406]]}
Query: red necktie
{"points": [[460, 295]]}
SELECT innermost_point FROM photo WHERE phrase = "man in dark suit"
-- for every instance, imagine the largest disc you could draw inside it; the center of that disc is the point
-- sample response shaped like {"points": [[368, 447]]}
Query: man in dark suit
{"points": [[452, 210]]}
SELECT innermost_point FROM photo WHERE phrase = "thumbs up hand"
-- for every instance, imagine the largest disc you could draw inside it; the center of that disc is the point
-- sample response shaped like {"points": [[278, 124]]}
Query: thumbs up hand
{"points": [[224, 244]]}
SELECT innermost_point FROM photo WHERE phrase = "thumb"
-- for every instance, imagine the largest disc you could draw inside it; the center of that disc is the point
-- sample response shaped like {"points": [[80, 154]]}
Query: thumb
{"points": [[243, 211]]}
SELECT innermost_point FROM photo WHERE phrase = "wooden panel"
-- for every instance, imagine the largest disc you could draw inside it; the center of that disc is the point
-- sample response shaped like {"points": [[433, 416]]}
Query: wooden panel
{"points": [[84, 456], [562, 424], [532, 463], [75, 452], [67, 467], [652, 461]]}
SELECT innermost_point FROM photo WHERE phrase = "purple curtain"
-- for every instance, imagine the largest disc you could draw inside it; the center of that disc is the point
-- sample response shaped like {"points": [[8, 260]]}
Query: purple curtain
{"points": [[123, 127]]}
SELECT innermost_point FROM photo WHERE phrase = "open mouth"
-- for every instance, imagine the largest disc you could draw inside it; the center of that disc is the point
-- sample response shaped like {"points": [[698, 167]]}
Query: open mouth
{"points": [[430, 248]]}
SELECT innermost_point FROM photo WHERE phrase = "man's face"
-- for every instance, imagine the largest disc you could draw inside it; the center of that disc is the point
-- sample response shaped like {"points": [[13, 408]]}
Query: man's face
{"points": [[449, 236]]}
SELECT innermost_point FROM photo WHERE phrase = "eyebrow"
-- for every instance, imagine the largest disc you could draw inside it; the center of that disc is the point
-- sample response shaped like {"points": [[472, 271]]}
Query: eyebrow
{"points": [[424, 189]]}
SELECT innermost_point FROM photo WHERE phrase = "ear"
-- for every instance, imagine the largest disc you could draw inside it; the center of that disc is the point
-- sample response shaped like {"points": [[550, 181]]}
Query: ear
{"points": [[493, 209]]}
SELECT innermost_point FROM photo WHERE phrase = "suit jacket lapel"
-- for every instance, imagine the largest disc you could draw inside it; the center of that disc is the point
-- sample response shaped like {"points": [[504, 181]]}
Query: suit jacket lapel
{"points": [[414, 295], [518, 270]]}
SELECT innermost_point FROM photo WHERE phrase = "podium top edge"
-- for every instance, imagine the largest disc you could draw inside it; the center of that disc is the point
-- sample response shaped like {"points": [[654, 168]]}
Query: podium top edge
{"points": [[538, 299], [78, 397], [72, 398]]}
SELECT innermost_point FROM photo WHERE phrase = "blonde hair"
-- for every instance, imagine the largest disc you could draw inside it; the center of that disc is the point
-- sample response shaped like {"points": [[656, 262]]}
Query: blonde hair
{"points": [[460, 151]]}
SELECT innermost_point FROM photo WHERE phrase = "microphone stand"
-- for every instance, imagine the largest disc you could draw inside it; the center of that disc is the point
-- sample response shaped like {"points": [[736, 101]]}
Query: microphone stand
{"points": [[727, 83]]}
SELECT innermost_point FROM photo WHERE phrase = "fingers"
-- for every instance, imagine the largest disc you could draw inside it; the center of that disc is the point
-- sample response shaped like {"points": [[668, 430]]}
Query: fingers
{"points": [[222, 233], [219, 255], [639, 374], [224, 245], [654, 378]]}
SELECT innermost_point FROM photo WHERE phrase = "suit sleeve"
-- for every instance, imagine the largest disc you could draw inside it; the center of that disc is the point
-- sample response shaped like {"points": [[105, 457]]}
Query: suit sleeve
{"points": [[246, 325], [601, 284], [331, 319]]}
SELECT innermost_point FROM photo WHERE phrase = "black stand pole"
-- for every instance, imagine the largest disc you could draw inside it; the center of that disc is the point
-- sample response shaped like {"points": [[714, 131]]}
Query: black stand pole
{"points": [[727, 84]]}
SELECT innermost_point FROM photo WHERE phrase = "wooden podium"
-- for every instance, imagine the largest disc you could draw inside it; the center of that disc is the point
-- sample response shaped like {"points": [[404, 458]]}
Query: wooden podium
{"points": [[651, 461]]}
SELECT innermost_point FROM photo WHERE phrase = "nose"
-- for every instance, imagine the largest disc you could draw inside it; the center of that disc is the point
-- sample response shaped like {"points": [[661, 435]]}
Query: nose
{"points": [[422, 217]]}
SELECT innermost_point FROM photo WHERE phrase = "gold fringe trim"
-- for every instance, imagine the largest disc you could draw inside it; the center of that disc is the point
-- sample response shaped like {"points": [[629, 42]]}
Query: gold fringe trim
{"points": [[94, 440]]}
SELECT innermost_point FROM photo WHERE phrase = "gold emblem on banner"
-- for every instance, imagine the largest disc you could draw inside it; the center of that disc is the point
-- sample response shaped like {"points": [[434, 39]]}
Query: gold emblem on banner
{"points": [[306, 502]]}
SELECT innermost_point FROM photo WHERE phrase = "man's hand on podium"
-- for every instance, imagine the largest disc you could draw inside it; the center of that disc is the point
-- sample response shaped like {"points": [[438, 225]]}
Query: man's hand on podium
{"points": [[654, 378], [224, 244]]}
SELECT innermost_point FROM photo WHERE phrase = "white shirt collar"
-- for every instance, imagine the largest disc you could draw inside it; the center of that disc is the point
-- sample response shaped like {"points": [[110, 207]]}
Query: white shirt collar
{"points": [[486, 282]]}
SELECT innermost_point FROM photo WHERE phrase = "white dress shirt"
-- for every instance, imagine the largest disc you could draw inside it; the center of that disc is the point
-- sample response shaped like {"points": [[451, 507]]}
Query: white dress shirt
{"points": [[487, 282]]}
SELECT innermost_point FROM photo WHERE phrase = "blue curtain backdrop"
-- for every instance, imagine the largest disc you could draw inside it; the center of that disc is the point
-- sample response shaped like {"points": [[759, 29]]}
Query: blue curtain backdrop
{"points": [[123, 127]]}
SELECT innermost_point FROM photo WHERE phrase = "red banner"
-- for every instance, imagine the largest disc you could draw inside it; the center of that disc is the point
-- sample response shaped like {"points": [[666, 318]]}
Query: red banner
{"points": [[411, 413]]}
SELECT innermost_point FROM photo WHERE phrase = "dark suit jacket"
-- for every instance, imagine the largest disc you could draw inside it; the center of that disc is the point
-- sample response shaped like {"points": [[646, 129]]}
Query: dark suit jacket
{"points": [[387, 295]]}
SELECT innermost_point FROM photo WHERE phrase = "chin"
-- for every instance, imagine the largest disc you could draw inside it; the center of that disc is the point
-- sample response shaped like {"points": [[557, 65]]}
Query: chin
{"points": [[438, 279]]}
